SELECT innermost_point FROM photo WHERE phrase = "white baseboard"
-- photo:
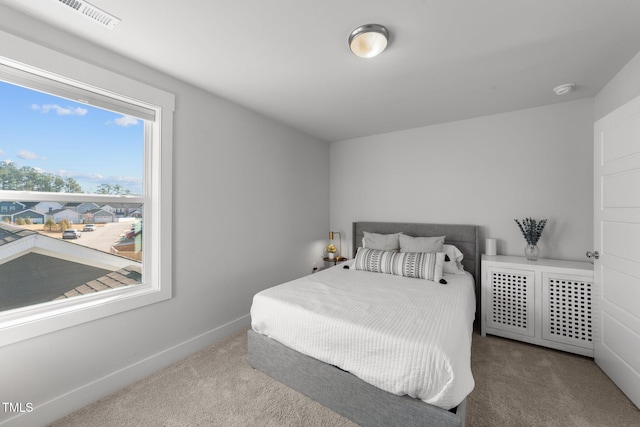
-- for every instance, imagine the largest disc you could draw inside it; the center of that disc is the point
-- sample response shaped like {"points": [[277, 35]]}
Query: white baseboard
{"points": [[73, 400]]}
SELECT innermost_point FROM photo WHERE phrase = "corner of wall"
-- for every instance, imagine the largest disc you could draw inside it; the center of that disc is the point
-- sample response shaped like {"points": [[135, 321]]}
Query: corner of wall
{"points": [[623, 87]]}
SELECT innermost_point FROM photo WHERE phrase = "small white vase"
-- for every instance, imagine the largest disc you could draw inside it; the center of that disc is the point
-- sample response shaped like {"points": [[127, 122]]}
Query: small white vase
{"points": [[531, 252], [332, 255]]}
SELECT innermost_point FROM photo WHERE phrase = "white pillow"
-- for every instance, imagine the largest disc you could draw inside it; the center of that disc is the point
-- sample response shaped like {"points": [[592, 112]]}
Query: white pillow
{"points": [[421, 244], [454, 257], [418, 265], [381, 242]]}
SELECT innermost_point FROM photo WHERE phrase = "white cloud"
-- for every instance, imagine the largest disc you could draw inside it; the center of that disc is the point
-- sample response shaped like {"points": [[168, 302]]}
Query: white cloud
{"points": [[127, 180], [90, 181], [1, 152], [99, 178], [93, 177], [27, 155], [61, 111], [126, 121]]}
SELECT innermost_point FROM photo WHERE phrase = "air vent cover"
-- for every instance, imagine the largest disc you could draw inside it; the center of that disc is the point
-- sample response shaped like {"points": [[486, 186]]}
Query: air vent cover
{"points": [[96, 15]]}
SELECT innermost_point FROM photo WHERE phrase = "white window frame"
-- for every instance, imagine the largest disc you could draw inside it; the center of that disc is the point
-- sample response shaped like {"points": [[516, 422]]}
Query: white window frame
{"points": [[28, 322]]}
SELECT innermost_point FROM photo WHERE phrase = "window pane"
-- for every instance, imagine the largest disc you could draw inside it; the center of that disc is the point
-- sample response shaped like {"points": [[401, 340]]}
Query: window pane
{"points": [[63, 242], [53, 144], [82, 259]]}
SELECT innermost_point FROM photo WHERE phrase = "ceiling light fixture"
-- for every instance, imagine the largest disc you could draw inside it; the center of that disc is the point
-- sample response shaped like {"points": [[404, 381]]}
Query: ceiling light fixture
{"points": [[564, 89], [368, 40]]}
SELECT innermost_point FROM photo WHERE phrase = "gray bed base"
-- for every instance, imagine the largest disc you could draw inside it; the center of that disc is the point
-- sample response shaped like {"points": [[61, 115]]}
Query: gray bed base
{"points": [[342, 391]]}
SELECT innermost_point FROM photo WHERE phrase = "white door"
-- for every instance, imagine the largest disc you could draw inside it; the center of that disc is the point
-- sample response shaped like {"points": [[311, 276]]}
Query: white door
{"points": [[617, 240]]}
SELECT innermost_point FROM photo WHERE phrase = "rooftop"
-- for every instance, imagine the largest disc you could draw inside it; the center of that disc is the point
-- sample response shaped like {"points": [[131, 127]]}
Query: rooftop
{"points": [[127, 276], [10, 233], [35, 269]]}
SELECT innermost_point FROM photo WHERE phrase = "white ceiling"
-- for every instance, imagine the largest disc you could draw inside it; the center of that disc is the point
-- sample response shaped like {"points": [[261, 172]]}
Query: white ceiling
{"points": [[447, 59]]}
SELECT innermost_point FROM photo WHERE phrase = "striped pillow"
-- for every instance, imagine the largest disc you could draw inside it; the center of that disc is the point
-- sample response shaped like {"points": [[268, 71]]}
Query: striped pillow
{"points": [[419, 265]]}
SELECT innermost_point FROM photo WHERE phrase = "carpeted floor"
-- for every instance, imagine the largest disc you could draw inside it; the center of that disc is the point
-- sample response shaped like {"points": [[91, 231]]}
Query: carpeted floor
{"points": [[517, 384], [520, 384]]}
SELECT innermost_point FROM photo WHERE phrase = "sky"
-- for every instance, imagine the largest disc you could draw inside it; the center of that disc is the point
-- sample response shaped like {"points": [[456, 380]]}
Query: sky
{"points": [[70, 139]]}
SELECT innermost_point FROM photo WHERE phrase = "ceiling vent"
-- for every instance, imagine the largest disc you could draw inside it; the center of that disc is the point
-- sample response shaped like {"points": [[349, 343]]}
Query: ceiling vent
{"points": [[92, 12]]}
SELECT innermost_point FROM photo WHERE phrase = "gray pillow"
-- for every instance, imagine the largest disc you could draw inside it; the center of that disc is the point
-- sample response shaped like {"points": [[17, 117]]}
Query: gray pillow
{"points": [[381, 242], [421, 244]]}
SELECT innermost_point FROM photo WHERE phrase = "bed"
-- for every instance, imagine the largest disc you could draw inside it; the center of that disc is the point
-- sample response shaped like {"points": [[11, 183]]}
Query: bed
{"points": [[284, 344]]}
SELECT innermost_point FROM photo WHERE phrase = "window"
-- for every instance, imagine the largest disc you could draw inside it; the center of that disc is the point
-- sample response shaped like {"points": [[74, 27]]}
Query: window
{"points": [[76, 152]]}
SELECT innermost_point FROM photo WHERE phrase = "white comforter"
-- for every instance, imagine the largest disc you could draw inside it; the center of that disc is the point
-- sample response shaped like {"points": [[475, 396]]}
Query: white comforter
{"points": [[403, 335]]}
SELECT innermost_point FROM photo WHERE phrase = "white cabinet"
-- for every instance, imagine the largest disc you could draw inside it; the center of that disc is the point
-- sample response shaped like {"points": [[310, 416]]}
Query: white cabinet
{"points": [[545, 302]]}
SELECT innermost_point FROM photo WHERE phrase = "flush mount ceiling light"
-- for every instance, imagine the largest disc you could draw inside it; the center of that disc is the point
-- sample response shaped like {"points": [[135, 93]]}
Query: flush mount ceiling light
{"points": [[564, 89], [368, 40], [88, 10]]}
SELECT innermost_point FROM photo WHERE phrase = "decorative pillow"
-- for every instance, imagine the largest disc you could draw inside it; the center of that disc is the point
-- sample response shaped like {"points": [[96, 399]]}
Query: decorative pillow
{"points": [[419, 265], [382, 242], [452, 260], [421, 244]]}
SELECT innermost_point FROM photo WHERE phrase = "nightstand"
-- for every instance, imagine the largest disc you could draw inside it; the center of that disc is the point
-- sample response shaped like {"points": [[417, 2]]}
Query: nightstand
{"points": [[335, 260]]}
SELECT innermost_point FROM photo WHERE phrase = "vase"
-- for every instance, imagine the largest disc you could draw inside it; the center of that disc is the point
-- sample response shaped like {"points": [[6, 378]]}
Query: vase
{"points": [[531, 252], [331, 255]]}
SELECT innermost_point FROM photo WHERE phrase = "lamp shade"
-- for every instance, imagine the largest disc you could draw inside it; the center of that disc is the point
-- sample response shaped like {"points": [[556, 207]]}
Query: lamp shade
{"points": [[368, 40]]}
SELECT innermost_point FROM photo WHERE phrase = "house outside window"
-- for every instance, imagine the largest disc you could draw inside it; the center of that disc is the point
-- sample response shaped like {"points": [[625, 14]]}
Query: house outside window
{"points": [[70, 148]]}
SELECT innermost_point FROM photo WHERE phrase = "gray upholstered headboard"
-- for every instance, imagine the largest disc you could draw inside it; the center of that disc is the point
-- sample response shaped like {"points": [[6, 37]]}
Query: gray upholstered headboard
{"points": [[464, 237]]}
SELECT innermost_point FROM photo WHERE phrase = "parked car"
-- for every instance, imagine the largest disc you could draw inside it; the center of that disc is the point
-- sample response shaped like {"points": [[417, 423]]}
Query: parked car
{"points": [[89, 227], [71, 234]]}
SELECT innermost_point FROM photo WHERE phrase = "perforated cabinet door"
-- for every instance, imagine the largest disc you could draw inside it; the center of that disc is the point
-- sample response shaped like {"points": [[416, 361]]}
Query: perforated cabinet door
{"points": [[567, 309], [511, 301]]}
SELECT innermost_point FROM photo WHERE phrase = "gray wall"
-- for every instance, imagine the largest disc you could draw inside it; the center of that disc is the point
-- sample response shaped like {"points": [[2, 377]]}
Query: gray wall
{"points": [[251, 201], [622, 88], [486, 171]]}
